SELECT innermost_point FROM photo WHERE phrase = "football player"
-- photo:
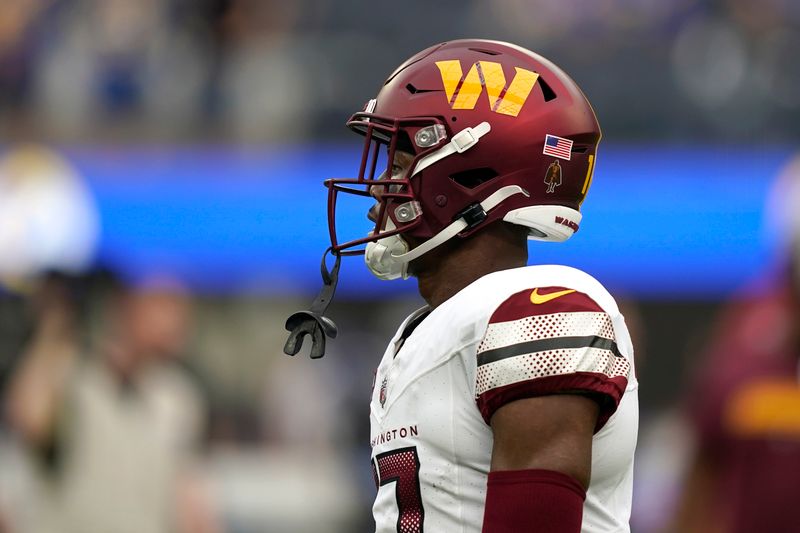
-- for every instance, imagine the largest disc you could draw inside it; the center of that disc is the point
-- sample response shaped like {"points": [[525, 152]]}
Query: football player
{"points": [[509, 402]]}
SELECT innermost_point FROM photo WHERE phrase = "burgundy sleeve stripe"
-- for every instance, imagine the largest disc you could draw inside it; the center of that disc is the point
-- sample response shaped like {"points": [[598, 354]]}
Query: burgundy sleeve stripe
{"points": [[612, 388], [542, 345], [520, 305]]}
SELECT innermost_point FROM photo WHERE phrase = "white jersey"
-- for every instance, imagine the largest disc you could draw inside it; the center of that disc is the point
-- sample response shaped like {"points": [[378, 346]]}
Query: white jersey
{"points": [[509, 335]]}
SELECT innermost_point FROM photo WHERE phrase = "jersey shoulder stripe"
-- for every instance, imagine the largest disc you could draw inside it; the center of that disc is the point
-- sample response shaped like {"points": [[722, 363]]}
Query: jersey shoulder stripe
{"points": [[549, 340]]}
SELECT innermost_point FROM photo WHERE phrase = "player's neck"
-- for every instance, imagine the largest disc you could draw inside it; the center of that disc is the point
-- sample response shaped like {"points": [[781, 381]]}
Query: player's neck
{"points": [[470, 260]]}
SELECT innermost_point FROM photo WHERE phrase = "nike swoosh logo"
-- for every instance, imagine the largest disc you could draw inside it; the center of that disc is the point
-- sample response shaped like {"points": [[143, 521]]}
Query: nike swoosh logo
{"points": [[537, 298]]}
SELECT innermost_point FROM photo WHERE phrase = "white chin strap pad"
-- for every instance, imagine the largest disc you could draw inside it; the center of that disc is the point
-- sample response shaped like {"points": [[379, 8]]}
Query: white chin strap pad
{"points": [[379, 256], [554, 223], [380, 260]]}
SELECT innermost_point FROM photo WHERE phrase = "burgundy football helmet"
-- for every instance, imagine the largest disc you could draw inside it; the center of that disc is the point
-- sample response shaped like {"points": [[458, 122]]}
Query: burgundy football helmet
{"points": [[489, 130]]}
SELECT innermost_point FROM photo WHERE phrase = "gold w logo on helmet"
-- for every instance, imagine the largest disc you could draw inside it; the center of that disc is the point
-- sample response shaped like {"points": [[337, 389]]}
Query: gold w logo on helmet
{"points": [[463, 92]]}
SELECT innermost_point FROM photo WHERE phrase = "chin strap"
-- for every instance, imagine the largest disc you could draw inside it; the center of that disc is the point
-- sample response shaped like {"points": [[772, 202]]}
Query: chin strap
{"points": [[312, 322], [461, 142], [471, 216]]}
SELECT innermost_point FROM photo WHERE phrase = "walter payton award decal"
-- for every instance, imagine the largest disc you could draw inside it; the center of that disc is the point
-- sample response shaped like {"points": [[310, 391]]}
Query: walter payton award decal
{"points": [[553, 176]]}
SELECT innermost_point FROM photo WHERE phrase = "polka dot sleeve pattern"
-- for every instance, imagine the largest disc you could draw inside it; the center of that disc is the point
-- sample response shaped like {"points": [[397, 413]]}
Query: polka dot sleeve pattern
{"points": [[549, 340]]}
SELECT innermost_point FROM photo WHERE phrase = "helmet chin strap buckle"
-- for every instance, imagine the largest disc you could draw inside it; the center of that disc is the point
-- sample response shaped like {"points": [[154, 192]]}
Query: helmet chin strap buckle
{"points": [[313, 322]]}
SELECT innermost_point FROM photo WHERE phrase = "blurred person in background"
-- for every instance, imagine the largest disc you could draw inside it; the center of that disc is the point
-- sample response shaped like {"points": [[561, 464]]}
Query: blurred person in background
{"points": [[509, 403], [114, 435], [744, 408]]}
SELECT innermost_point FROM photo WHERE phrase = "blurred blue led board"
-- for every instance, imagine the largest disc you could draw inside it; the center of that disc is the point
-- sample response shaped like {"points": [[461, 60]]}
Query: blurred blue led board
{"points": [[659, 222]]}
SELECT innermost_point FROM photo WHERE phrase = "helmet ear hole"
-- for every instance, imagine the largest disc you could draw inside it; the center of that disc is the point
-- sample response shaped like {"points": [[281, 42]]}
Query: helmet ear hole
{"points": [[470, 179]]}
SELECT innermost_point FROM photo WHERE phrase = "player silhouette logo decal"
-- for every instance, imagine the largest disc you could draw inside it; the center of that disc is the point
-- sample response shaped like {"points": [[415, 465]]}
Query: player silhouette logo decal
{"points": [[553, 176]]}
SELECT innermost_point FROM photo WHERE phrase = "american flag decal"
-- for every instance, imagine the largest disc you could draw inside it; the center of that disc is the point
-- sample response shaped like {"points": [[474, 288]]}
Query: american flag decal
{"points": [[557, 147]]}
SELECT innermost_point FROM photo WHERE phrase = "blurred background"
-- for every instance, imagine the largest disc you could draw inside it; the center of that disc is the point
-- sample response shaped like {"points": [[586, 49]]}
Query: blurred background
{"points": [[162, 213]]}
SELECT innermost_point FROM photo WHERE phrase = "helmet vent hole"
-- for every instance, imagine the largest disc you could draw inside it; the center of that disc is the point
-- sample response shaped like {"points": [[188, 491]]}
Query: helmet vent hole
{"points": [[470, 179], [485, 51], [547, 92], [579, 149], [413, 90]]}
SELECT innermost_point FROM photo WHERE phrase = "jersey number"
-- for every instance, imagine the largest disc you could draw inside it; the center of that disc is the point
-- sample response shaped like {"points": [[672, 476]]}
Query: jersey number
{"points": [[402, 467]]}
